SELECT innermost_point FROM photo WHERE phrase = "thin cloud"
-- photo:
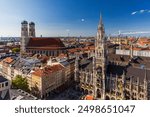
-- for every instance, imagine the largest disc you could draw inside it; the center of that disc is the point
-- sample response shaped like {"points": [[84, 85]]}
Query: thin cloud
{"points": [[140, 12], [82, 20], [133, 13]]}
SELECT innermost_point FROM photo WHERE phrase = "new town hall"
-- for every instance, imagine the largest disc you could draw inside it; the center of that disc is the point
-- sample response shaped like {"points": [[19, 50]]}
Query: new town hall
{"points": [[111, 74]]}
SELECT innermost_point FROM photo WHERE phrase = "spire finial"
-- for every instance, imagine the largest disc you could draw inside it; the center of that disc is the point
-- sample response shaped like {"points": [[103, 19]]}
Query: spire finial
{"points": [[100, 21]]}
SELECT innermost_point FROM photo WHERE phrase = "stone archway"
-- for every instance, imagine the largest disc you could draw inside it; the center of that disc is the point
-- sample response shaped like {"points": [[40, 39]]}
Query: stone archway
{"points": [[86, 91], [98, 93], [82, 90], [90, 92], [107, 97], [112, 98]]}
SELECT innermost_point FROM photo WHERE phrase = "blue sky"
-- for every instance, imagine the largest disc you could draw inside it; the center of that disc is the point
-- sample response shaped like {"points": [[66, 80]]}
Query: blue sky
{"points": [[76, 17]]}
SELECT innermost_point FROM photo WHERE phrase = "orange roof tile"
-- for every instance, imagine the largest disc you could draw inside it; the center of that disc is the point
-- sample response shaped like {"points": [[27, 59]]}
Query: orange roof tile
{"points": [[131, 39], [72, 50], [8, 60], [47, 70]]}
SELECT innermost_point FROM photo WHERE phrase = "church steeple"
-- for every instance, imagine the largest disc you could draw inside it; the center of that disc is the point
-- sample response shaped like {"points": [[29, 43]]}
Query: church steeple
{"points": [[24, 36], [100, 40], [100, 25], [100, 56], [101, 30]]}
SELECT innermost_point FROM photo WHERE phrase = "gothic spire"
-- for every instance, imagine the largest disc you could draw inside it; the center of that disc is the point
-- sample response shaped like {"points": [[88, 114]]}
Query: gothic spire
{"points": [[100, 25]]}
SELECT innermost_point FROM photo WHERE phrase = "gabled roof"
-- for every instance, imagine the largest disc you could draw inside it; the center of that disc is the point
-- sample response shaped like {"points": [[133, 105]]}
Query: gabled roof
{"points": [[2, 79], [8, 60], [48, 70]]}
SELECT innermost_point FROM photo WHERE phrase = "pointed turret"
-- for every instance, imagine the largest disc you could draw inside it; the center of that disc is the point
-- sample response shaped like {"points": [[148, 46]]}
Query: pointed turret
{"points": [[100, 25], [100, 31]]}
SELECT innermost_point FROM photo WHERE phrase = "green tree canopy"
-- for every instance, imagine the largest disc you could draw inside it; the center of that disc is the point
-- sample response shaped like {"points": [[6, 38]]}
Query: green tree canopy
{"points": [[20, 83], [15, 50]]}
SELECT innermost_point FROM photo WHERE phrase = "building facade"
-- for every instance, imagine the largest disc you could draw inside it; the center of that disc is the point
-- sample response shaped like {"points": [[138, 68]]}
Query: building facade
{"points": [[51, 79], [4, 89]]}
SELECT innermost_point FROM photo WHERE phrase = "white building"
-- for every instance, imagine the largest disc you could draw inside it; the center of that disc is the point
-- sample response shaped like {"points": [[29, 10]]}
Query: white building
{"points": [[4, 89]]}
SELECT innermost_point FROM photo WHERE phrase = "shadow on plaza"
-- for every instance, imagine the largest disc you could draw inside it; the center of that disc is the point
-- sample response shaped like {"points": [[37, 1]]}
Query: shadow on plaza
{"points": [[70, 93]]}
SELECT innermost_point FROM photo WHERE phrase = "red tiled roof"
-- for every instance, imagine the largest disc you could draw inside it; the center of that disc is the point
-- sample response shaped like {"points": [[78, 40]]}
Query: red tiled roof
{"points": [[143, 42], [45, 42], [131, 39], [45, 48], [8, 60], [47, 70], [72, 50], [43, 58], [144, 39], [89, 48]]}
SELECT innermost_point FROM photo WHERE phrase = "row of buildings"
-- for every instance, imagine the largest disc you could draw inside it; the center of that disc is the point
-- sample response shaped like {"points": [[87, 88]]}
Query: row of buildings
{"points": [[43, 76]]}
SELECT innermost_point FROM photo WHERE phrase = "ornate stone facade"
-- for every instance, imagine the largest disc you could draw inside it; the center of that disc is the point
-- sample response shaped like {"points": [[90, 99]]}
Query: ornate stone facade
{"points": [[111, 76]]}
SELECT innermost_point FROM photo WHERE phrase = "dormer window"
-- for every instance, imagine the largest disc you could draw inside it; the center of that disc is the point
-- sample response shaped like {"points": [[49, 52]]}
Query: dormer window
{"points": [[2, 85], [6, 84]]}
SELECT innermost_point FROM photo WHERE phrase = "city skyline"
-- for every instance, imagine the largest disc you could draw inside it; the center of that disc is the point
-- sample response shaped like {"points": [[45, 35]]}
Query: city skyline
{"points": [[74, 18]]}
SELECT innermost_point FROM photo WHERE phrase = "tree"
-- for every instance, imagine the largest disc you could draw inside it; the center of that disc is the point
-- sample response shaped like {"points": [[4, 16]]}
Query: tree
{"points": [[20, 83], [15, 50]]}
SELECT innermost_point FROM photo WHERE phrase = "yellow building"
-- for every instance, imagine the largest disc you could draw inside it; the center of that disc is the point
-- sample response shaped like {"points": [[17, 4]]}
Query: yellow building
{"points": [[48, 79]]}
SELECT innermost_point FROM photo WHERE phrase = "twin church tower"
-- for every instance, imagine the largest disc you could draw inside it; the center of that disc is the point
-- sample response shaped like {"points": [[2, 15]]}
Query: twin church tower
{"points": [[26, 33]]}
